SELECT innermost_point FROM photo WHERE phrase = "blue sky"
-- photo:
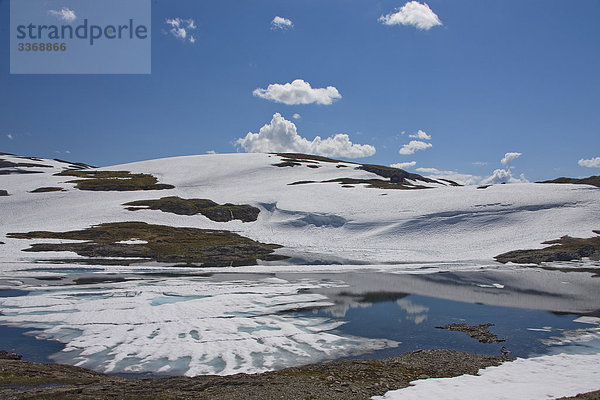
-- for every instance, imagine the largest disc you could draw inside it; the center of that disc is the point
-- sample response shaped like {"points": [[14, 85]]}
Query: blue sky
{"points": [[493, 77]]}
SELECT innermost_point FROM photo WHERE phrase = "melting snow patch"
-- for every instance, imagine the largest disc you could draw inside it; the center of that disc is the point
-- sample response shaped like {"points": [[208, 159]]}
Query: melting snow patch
{"points": [[544, 329], [545, 377], [132, 241], [588, 320], [493, 285]]}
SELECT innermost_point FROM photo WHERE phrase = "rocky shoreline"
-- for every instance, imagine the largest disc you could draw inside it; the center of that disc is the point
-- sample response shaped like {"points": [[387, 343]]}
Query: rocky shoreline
{"points": [[345, 379], [337, 380]]}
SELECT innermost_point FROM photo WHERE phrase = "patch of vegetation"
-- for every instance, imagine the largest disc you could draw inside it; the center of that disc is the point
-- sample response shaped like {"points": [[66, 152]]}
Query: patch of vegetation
{"points": [[591, 180], [164, 244], [286, 164], [376, 183], [452, 183], [208, 208], [3, 193], [48, 189], [564, 249], [397, 175], [306, 158], [76, 165], [301, 183], [9, 164], [479, 332], [18, 171], [120, 181]]}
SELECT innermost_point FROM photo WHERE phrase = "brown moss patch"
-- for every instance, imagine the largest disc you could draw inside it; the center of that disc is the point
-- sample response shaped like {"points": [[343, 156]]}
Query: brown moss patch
{"points": [[592, 180], [208, 208], [9, 164], [164, 244], [564, 249], [120, 181], [375, 183]]}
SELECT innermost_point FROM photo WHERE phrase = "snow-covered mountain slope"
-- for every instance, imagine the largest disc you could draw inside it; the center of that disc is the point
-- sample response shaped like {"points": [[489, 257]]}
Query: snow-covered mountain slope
{"points": [[317, 210]]}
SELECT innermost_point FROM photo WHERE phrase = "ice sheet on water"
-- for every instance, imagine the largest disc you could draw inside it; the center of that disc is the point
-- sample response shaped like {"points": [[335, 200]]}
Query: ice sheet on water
{"points": [[185, 326]]}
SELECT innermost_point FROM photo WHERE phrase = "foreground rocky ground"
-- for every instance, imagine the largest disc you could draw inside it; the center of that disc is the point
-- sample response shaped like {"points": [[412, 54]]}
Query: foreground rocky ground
{"points": [[346, 379]]}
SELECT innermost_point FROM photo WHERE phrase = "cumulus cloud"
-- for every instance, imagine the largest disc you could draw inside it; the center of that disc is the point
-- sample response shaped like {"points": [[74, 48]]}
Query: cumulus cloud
{"points": [[211, 152], [281, 23], [463, 179], [64, 14], [180, 28], [413, 146], [298, 92], [280, 135], [510, 157], [420, 135], [414, 14], [591, 163], [404, 165], [9, 136], [502, 176], [296, 116]]}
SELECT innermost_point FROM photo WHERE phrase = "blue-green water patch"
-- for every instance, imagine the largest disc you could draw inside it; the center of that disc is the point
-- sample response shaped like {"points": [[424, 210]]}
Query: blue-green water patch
{"points": [[412, 321]]}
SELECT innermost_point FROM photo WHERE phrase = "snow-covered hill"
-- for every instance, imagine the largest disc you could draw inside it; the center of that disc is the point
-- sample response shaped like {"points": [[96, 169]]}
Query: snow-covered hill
{"points": [[335, 226], [319, 211]]}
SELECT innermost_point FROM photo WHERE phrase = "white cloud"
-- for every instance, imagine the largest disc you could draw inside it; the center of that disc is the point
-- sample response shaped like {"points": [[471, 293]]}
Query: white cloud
{"points": [[296, 116], [280, 135], [412, 13], [591, 163], [180, 28], [404, 165], [510, 157], [463, 179], [211, 152], [64, 14], [479, 163], [9, 136], [298, 92], [420, 135], [502, 176], [281, 23], [413, 146]]}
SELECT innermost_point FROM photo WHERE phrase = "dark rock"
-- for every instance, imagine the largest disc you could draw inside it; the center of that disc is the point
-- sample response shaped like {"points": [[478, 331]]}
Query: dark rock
{"points": [[479, 332], [5, 355], [47, 189]]}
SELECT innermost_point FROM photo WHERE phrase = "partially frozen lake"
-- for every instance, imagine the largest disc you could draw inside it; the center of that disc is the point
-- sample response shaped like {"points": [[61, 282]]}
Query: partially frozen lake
{"points": [[186, 322]]}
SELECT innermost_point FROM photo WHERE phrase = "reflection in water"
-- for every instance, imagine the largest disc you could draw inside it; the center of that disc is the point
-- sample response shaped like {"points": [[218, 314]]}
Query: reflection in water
{"points": [[415, 312], [411, 320]]}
